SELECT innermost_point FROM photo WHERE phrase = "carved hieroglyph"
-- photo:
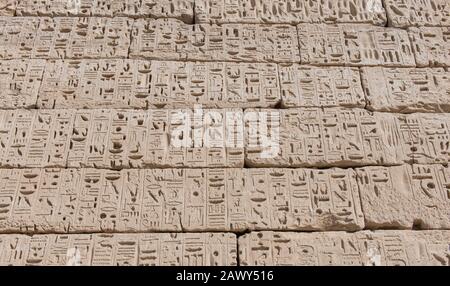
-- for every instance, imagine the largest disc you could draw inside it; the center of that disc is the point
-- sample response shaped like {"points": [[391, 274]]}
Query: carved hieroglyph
{"points": [[90, 200], [407, 89], [381, 248], [290, 12], [303, 86], [409, 196], [179, 9], [157, 138], [158, 249], [330, 137], [169, 39], [316, 137], [431, 46], [144, 84], [8, 7], [406, 13], [20, 81], [34, 139], [64, 37], [354, 45]]}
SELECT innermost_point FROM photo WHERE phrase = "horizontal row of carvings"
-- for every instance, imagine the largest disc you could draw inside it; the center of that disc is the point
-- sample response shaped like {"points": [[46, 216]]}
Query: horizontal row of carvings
{"points": [[144, 84], [379, 248], [378, 12], [171, 39], [217, 138], [235, 200]]}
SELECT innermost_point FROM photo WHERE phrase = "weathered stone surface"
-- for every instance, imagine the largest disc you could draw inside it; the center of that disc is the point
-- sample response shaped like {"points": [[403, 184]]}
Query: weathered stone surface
{"points": [[316, 137], [64, 37], [17, 37], [431, 46], [303, 86], [166, 138], [387, 248], [169, 39], [144, 84], [90, 200], [159, 249], [354, 45], [34, 139], [290, 12], [20, 81], [409, 196], [8, 7], [406, 13], [407, 89], [179, 9]]}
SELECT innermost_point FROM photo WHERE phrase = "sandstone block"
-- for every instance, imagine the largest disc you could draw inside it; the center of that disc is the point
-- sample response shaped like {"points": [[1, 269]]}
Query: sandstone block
{"points": [[164, 249], [290, 12], [407, 90], [406, 13], [34, 138], [143, 84], [354, 45], [179, 9], [409, 196], [90, 200], [8, 7], [431, 46], [158, 138], [383, 248], [169, 39], [316, 137], [20, 81], [303, 86], [64, 37]]}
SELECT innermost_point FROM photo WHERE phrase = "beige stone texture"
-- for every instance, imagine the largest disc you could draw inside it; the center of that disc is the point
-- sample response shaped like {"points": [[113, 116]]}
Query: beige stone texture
{"points": [[409, 196], [8, 7], [354, 45], [316, 137], [338, 137], [34, 138], [290, 12], [380, 248], [431, 46], [158, 138], [143, 84], [406, 90], [179, 9], [64, 37], [20, 81], [303, 86], [406, 13], [91, 200], [169, 39], [158, 249]]}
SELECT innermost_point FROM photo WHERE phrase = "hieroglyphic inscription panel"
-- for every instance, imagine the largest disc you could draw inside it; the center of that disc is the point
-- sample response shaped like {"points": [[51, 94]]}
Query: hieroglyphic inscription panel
{"points": [[383, 248], [157, 138], [431, 46], [408, 196], [290, 12], [158, 249], [169, 39], [144, 84], [354, 45], [407, 90], [90, 200], [406, 13], [20, 81], [303, 86]]}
